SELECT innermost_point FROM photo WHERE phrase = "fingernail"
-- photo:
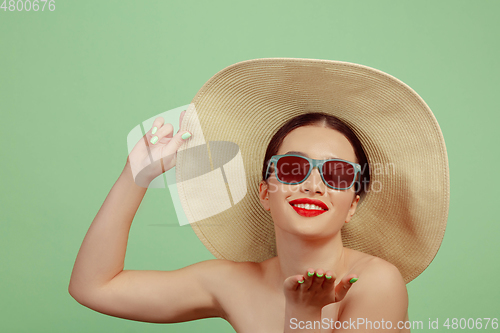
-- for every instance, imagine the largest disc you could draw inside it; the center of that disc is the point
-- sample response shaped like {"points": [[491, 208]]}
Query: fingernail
{"points": [[353, 280], [310, 274], [154, 130], [319, 275], [154, 139], [186, 136], [328, 277], [301, 281]]}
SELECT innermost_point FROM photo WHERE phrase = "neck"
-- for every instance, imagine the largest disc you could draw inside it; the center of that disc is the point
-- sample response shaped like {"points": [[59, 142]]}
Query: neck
{"points": [[296, 254]]}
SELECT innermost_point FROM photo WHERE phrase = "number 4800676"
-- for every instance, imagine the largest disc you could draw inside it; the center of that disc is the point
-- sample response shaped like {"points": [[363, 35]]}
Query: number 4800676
{"points": [[471, 323], [28, 5]]}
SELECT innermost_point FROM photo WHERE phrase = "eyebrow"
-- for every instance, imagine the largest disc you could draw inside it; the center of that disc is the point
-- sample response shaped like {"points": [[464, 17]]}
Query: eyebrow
{"points": [[304, 154]]}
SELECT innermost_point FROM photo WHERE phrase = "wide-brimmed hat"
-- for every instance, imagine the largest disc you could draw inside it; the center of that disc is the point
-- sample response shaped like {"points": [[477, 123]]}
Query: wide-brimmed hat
{"points": [[402, 217]]}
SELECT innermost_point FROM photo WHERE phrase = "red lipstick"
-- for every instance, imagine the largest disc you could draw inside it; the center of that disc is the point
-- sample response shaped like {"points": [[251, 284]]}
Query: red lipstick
{"points": [[308, 212]]}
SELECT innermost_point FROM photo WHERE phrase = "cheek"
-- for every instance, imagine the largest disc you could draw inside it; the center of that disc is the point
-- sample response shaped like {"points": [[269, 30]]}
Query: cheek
{"points": [[278, 194], [342, 201], [277, 189]]}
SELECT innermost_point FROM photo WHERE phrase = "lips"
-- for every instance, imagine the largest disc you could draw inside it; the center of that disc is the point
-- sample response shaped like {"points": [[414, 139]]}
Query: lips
{"points": [[309, 212]]}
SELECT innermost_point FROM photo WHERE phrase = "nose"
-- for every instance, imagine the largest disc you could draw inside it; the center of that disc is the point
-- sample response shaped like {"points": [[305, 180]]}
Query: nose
{"points": [[314, 183]]}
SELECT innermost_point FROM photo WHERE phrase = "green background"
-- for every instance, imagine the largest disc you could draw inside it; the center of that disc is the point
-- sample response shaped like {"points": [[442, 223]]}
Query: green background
{"points": [[75, 81]]}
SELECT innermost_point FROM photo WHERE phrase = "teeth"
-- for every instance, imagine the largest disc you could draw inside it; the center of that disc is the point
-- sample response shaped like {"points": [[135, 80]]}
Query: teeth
{"points": [[308, 206]]}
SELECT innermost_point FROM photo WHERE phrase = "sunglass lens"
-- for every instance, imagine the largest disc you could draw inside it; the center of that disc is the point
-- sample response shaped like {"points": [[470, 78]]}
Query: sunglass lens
{"points": [[338, 174], [292, 169]]}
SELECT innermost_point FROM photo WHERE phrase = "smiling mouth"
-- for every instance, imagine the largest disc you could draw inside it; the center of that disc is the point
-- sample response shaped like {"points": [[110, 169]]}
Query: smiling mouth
{"points": [[308, 210]]}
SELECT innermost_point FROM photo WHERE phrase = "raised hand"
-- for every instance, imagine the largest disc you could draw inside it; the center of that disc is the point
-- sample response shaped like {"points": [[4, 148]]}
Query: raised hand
{"points": [[307, 294], [156, 152]]}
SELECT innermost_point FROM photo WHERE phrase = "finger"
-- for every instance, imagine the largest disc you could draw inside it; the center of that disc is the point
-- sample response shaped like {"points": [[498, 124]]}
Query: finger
{"points": [[175, 143], [319, 278], [157, 123], [308, 278], [292, 283], [181, 117], [344, 285], [329, 282], [164, 131], [170, 134]]}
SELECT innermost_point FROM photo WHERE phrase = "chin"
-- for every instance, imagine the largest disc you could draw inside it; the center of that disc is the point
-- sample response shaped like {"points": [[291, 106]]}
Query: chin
{"points": [[314, 230]]}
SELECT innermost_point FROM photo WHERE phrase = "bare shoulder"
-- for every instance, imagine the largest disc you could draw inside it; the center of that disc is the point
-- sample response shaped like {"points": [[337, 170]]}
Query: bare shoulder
{"points": [[217, 273], [223, 278], [220, 269], [380, 285], [373, 268]]}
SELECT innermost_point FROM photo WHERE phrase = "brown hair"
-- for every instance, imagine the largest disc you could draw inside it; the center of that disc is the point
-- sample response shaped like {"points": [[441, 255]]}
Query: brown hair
{"points": [[319, 118]]}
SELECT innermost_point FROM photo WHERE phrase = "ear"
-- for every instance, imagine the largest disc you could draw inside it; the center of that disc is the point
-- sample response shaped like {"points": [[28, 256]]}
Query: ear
{"points": [[264, 195], [354, 204]]}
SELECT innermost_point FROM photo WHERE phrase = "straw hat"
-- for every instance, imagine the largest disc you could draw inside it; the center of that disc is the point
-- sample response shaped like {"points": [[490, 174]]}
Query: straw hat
{"points": [[403, 216]]}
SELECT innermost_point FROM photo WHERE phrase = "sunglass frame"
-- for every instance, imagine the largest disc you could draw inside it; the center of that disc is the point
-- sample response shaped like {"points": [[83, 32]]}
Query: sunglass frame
{"points": [[315, 164]]}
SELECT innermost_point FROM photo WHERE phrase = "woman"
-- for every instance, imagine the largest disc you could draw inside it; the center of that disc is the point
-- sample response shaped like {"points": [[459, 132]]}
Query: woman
{"points": [[306, 283]]}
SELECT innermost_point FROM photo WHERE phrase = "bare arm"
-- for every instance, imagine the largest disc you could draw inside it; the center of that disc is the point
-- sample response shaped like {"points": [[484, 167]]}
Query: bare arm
{"points": [[98, 280], [102, 253]]}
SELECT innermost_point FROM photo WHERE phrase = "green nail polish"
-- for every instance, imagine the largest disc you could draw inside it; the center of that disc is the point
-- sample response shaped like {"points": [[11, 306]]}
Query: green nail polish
{"points": [[154, 130], [328, 277], [301, 281], [310, 274], [353, 280], [154, 139], [186, 136], [319, 275]]}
